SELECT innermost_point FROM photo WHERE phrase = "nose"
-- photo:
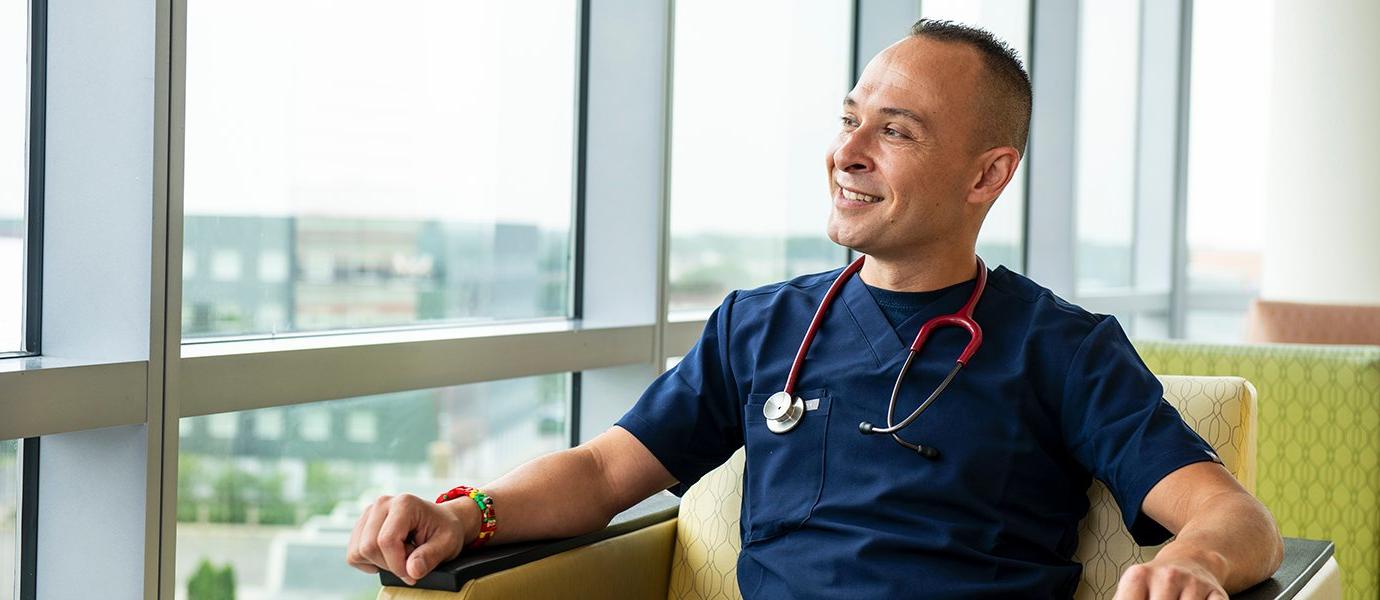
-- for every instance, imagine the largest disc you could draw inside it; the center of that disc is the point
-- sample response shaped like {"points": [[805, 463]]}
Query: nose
{"points": [[852, 155]]}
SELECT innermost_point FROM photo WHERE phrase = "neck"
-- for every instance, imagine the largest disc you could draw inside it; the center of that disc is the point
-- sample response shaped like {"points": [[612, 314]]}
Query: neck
{"points": [[924, 273]]}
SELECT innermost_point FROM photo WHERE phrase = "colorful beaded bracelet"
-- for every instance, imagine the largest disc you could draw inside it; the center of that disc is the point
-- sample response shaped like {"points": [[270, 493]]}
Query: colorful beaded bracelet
{"points": [[488, 520]]}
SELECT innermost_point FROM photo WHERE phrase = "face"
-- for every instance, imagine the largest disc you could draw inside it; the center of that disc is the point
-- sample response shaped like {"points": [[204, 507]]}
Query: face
{"points": [[906, 170]]}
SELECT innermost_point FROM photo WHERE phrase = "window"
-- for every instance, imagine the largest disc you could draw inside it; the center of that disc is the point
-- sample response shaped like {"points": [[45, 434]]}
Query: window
{"points": [[14, 149], [277, 513], [369, 166], [9, 517], [1105, 186], [755, 102], [1228, 125], [1003, 232]]}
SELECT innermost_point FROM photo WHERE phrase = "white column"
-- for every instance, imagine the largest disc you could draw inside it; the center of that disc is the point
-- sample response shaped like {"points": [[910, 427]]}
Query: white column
{"points": [[1322, 222]]}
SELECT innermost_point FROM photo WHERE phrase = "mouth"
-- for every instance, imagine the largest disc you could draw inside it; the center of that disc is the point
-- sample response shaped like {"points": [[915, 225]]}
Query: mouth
{"points": [[854, 197]]}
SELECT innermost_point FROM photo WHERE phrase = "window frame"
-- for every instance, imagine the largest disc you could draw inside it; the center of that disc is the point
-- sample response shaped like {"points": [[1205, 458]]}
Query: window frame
{"points": [[619, 334]]}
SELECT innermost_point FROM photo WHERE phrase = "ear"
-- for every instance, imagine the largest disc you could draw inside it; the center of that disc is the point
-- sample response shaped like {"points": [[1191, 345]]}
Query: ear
{"points": [[998, 166]]}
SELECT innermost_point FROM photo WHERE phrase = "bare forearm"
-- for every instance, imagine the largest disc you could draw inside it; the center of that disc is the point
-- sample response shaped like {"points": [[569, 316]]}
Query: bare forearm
{"points": [[1234, 537], [570, 492], [556, 495]]}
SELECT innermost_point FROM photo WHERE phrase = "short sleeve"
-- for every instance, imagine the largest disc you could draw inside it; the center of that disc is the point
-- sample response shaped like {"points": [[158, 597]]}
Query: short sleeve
{"points": [[1118, 425], [690, 418]]}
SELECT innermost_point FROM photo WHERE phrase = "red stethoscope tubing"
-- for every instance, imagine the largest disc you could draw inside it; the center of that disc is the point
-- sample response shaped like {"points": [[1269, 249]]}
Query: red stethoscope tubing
{"points": [[962, 319]]}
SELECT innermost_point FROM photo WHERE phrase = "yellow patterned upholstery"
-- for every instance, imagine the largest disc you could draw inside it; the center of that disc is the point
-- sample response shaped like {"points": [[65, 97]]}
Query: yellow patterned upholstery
{"points": [[1319, 439], [1221, 409], [705, 566]]}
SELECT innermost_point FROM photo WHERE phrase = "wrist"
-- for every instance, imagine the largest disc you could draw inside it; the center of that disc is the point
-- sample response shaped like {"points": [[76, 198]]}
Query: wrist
{"points": [[488, 520], [1213, 562], [467, 512]]}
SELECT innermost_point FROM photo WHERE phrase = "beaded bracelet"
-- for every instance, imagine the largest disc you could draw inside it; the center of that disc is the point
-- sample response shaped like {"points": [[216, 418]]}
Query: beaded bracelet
{"points": [[488, 519]]}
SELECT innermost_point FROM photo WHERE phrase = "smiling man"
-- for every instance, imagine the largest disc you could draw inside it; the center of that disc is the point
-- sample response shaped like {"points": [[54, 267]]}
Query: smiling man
{"points": [[978, 497]]}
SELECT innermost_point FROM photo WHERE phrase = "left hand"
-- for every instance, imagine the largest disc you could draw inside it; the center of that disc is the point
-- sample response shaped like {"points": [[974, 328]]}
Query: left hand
{"points": [[1169, 579]]}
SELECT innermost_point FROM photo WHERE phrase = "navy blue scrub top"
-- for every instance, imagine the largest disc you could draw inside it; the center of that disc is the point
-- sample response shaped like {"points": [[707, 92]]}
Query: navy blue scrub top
{"points": [[1054, 397]]}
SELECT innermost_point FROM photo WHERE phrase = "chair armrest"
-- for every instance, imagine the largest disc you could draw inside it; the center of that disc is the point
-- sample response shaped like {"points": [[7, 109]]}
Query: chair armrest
{"points": [[1302, 561], [451, 576]]}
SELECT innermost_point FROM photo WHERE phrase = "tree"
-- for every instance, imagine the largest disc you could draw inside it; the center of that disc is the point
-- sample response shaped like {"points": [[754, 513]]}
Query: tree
{"points": [[211, 583]]}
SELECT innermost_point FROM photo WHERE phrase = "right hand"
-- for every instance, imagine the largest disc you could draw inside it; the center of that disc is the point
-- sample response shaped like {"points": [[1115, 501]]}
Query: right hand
{"points": [[407, 535]]}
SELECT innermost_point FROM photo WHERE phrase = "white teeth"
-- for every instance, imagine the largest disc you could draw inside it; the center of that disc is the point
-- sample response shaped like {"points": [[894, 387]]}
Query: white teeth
{"points": [[856, 197]]}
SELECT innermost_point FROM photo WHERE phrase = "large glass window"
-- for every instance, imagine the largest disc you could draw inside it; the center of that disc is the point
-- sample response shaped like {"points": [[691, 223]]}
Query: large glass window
{"points": [[1002, 238], [366, 164], [14, 89], [266, 499], [1228, 138], [756, 101], [9, 517], [1105, 186]]}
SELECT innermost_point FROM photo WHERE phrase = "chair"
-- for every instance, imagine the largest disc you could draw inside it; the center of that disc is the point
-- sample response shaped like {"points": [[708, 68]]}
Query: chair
{"points": [[1300, 323], [694, 555], [1318, 442]]}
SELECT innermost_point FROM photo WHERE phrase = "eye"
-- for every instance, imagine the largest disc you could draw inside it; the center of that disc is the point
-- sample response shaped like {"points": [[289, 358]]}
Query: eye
{"points": [[893, 132], [848, 121]]}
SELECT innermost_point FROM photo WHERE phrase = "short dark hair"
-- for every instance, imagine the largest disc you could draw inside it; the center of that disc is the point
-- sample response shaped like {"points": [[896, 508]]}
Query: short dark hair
{"points": [[1007, 92]]}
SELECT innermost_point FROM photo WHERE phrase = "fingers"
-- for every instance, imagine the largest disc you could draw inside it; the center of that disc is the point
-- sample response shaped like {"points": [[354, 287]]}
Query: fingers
{"points": [[1167, 582], [435, 550], [363, 553], [393, 533]]}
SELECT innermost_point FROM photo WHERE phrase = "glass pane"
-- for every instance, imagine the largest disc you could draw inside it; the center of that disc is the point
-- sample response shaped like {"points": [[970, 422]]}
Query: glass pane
{"points": [[1108, 86], [1228, 125], [366, 165], [1208, 325], [756, 100], [1001, 239], [266, 499], [9, 517], [14, 90]]}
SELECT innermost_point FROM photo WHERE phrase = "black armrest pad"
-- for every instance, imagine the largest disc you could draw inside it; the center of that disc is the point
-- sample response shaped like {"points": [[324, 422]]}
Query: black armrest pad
{"points": [[451, 576], [1302, 559]]}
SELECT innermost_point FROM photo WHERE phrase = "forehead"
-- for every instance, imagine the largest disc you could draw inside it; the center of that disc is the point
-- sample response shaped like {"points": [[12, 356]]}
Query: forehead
{"points": [[921, 75]]}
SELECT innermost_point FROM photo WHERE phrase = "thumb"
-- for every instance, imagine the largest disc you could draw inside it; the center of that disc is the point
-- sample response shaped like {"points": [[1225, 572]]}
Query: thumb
{"points": [[431, 553]]}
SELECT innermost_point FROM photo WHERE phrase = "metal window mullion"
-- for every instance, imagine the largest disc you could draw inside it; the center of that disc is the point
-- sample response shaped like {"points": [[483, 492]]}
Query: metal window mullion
{"points": [[1178, 303], [1158, 145], [165, 311], [38, 93], [1051, 233], [28, 519]]}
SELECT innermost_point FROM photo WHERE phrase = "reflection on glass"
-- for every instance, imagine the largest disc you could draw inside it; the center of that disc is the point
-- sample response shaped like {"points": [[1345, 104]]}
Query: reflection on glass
{"points": [[14, 90], [1108, 85], [266, 499], [1226, 160], [756, 103], [1001, 239], [364, 164], [9, 513]]}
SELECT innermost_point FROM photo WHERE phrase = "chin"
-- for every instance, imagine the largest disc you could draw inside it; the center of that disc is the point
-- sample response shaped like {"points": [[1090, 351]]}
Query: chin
{"points": [[847, 237]]}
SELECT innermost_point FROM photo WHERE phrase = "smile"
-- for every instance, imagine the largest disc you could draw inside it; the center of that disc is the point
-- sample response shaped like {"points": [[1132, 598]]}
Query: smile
{"points": [[858, 197]]}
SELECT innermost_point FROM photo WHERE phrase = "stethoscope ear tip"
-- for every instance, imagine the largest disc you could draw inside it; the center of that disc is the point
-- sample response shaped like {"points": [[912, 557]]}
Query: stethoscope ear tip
{"points": [[865, 428]]}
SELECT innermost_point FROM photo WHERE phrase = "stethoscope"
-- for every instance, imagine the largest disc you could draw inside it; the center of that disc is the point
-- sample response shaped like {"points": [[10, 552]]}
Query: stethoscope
{"points": [[784, 410]]}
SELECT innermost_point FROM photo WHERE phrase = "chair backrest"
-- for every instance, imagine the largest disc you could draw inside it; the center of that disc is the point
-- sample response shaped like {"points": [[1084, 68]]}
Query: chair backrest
{"points": [[1301, 323], [1220, 409]]}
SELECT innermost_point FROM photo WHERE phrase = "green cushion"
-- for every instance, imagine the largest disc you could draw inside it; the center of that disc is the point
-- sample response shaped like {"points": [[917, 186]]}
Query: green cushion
{"points": [[1319, 441]]}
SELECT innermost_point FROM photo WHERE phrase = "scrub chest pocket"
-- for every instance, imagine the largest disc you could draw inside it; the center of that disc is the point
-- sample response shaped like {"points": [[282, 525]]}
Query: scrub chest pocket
{"points": [[785, 472]]}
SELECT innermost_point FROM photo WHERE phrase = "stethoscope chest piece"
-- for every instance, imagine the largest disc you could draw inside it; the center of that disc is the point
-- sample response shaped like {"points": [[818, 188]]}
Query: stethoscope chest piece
{"points": [[783, 412]]}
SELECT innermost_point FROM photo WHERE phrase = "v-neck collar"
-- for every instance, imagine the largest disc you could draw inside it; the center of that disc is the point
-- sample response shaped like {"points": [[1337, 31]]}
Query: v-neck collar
{"points": [[886, 341]]}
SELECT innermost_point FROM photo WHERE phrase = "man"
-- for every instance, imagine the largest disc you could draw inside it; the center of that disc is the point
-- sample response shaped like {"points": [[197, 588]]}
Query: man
{"points": [[1054, 396]]}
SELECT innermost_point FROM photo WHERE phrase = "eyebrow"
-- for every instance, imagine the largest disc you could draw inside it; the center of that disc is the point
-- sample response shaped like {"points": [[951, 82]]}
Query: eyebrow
{"points": [[888, 110]]}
